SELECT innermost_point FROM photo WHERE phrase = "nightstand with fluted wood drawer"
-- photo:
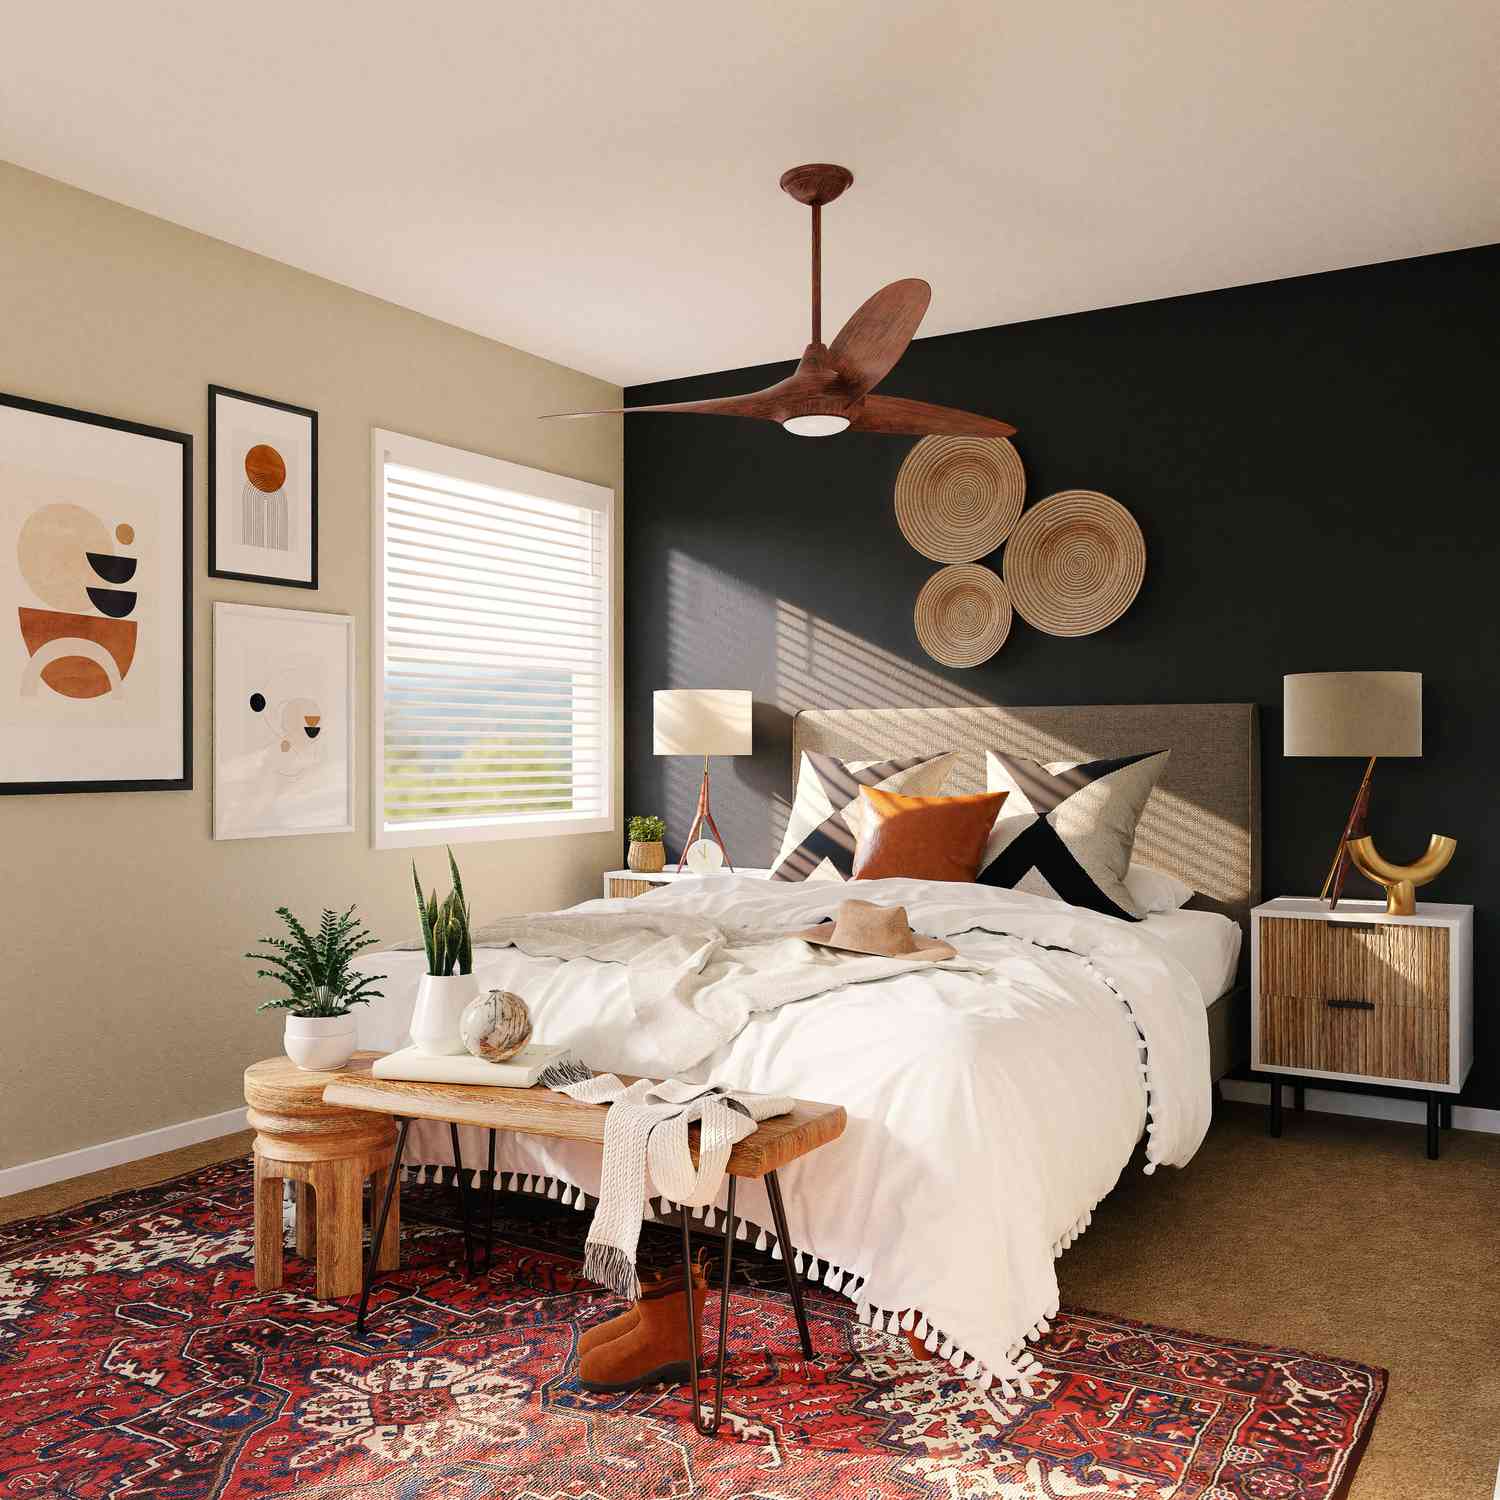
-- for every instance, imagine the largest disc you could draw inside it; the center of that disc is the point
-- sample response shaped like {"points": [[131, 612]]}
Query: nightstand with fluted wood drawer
{"points": [[1359, 996]]}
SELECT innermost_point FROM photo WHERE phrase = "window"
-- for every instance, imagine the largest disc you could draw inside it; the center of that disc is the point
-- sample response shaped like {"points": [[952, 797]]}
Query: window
{"points": [[492, 662]]}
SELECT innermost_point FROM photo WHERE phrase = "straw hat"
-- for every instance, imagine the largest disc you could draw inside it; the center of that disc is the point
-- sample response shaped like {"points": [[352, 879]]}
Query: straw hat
{"points": [[883, 931]]}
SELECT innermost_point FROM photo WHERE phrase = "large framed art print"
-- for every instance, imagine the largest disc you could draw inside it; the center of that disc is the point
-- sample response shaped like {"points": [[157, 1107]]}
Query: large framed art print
{"points": [[96, 626], [262, 490]]}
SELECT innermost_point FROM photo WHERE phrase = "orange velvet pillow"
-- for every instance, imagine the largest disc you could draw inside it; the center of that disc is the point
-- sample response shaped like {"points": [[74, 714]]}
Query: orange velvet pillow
{"points": [[923, 838]]}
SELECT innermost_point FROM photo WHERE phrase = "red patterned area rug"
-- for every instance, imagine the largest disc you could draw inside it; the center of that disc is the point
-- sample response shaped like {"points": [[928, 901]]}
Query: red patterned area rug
{"points": [[137, 1359]]}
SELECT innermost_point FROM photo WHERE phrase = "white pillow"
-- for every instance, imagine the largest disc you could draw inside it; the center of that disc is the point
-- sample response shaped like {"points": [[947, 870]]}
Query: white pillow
{"points": [[1155, 890], [826, 812]]}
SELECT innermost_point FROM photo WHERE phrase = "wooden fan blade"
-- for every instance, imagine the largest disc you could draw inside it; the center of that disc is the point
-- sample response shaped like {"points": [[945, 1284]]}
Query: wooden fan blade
{"points": [[755, 404], [805, 383], [876, 336], [922, 419]]}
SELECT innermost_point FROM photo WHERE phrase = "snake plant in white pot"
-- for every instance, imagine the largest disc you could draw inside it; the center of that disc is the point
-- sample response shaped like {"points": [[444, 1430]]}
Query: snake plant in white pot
{"points": [[443, 994], [316, 971]]}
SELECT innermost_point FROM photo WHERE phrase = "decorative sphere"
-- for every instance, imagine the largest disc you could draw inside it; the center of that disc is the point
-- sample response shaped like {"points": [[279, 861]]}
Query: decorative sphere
{"points": [[495, 1026]]}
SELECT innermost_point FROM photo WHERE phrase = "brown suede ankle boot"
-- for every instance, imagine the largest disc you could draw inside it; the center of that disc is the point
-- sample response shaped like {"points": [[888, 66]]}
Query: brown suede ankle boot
{"points": [[653, 1284], [654, 1350]]}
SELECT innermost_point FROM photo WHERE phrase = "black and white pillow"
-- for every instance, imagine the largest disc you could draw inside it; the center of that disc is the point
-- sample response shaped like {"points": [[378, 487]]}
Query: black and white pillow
{"points": [[1067, 828], [824, 826]]}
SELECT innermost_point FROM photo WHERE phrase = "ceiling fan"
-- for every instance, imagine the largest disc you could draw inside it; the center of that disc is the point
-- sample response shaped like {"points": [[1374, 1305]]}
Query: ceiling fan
{"points": [[830, 390]]}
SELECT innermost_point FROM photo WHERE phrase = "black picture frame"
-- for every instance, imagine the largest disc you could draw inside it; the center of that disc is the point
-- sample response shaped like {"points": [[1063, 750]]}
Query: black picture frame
{"points": [[184, 782], [214, 570]]}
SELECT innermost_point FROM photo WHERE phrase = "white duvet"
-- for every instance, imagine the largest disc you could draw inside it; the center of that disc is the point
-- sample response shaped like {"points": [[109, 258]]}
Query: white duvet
{"points": [[988, 1114]]}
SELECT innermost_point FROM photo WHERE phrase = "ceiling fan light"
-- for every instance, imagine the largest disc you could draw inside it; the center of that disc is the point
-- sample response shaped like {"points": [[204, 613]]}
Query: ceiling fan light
{"points": [[816, 424]]}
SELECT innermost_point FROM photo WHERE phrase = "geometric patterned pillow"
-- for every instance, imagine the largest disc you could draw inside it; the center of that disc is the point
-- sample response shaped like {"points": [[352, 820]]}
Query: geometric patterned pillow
{"points": [[1067, 828], [824, 826]]}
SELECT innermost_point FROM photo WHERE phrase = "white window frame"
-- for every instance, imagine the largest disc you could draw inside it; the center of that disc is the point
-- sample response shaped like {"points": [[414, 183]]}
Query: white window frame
{"points": [[479, 468]]}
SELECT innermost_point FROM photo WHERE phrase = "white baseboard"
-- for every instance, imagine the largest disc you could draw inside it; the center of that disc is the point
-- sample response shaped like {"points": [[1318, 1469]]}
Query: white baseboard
{"points": [[1366, 1106], [33, 1174]]}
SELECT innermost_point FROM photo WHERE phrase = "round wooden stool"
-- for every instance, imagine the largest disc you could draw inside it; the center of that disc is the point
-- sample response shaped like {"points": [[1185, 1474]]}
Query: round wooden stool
{"points": [[329, 1153]]}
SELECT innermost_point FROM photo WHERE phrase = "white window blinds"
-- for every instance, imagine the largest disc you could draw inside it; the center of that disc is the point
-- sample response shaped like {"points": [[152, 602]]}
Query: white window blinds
{"points": [[494, 660]]}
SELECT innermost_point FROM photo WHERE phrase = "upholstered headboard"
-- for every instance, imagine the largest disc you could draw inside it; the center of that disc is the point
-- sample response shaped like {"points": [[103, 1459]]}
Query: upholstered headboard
{"points": [[1202, 823]]}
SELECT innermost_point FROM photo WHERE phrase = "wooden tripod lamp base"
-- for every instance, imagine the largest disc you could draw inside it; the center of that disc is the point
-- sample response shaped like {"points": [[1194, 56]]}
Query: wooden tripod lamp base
{"points": [[704, 819], [1354, 828]]}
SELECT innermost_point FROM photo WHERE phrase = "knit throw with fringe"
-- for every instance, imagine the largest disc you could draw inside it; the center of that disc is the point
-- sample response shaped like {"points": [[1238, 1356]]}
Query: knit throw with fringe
{"points": [[647, 1128]]}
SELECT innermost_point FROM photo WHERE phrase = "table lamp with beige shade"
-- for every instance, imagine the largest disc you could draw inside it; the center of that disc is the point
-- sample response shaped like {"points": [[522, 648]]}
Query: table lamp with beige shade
{"points": [[702, 721], [1368, 715]]}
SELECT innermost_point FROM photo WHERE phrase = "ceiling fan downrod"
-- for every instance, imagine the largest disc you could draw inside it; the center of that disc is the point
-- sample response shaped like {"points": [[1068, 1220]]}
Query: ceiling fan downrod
{"points": [[815, 184]]}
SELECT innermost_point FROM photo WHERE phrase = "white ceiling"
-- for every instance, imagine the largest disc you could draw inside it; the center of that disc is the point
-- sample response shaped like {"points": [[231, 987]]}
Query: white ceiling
{"points": [[596, 182]]}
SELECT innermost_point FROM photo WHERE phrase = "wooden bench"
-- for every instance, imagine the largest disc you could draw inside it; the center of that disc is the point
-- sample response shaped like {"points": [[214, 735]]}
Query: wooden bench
{"points": [[535, 1111]]}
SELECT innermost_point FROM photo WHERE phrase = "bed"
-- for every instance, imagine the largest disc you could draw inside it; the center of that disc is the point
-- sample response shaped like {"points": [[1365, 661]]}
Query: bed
{"points": [[1202, 823], [989, 1111]]}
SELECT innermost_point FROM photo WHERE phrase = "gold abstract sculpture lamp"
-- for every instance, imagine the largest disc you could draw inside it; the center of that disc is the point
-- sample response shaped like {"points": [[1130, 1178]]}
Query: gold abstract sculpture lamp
{"points": [[1401, 881], [1364, 714], [702, 721]]}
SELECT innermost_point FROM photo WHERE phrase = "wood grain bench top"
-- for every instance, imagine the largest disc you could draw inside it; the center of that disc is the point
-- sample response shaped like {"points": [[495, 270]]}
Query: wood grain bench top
{"points": [[538, 1111]]}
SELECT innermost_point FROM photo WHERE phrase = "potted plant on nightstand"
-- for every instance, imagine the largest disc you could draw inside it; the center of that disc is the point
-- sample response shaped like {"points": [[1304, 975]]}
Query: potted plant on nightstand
{"points": [[648, 855], [315, 969], [443, 994]]}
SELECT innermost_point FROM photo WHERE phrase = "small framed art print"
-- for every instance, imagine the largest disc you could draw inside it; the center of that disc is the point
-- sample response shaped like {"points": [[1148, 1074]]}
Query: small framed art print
{"points": [[283, 722], [262, 490], [96, 602]]}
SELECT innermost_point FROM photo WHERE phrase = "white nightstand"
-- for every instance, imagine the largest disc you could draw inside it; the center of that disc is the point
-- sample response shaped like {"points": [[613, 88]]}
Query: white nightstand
{"points": [[1362, 997], [633, 883]]}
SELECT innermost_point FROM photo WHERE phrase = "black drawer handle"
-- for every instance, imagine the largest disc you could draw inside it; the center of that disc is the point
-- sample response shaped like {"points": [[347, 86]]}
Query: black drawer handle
{"points": [[1350, 1004], [1364, 926]]}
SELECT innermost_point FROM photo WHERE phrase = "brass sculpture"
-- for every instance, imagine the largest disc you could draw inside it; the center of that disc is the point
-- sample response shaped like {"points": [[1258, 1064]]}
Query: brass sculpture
{"points": [[1401, 881]]}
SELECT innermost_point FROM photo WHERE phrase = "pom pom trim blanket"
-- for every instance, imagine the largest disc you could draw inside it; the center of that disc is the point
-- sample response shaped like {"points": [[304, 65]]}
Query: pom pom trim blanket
{"points": [[989, 1112]]}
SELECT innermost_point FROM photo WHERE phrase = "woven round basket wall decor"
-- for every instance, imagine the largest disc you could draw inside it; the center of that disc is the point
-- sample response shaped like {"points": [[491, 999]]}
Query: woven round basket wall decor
{"points": [[963, 615], [958, 497], [1075, 563]]}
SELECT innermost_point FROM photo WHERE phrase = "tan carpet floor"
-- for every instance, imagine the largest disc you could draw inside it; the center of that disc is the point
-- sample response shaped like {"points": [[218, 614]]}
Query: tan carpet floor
{"points": [[1340, 1238]]}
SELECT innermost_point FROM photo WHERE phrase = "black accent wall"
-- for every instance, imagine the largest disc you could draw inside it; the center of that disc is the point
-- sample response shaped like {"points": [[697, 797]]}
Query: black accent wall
{"points": [[1315, 464]]}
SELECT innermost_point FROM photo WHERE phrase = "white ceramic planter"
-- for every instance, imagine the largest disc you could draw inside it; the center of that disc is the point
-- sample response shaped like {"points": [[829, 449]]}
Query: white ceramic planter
{"points": [[440, 1005], [320, 1043]]}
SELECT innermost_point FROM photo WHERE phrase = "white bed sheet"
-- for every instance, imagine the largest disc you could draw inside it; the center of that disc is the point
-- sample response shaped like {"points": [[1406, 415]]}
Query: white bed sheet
{"points": [[1205, 943]]}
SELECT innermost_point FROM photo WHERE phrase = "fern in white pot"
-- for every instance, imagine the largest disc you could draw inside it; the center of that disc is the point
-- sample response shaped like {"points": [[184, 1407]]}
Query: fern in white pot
{"points": [[443, 994], [315, 969]]}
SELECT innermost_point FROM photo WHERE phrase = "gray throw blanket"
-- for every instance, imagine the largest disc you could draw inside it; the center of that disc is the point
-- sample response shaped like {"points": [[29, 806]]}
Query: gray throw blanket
{"points": [[693, 984]]}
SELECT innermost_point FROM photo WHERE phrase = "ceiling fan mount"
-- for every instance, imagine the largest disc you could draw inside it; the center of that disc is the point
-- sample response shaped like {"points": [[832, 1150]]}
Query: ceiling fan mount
{"points": [[830, 390], [817, 183]]}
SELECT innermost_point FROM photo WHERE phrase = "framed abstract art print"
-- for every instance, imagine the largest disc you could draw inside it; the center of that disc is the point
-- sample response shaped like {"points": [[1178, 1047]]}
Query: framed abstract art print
{"points": [[96, 607], [262, 490], [283, 722]]}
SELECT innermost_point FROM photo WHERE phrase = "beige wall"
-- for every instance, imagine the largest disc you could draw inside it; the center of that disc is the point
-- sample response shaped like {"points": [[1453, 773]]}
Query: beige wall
{"points": [[124, 1003]]}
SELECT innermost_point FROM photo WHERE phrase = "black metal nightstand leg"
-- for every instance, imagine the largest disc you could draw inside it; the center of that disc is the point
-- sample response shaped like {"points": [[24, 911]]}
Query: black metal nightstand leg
{"points": [[1273, 1118], [1445, 1112], [1432, 1126], [1299, 1097]]}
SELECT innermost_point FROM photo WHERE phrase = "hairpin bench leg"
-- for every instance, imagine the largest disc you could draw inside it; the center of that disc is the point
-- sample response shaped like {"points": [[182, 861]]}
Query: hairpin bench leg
{"points": [[378, 1229], [793, 1285], [694, 1334], [489, 1221], [463, 1202]]}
